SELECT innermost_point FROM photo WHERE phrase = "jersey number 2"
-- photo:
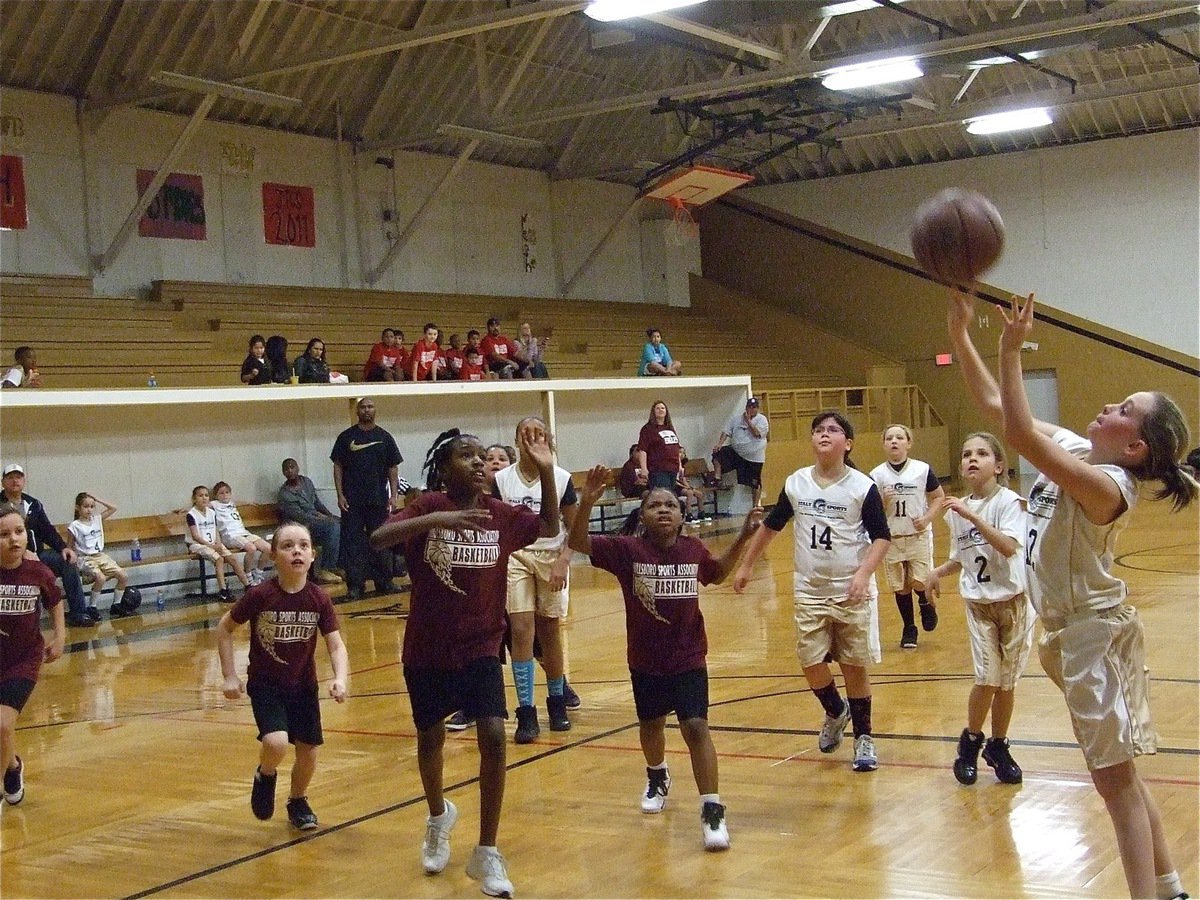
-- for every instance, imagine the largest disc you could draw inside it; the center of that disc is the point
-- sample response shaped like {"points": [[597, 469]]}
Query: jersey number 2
{"points": [[981, 576]]}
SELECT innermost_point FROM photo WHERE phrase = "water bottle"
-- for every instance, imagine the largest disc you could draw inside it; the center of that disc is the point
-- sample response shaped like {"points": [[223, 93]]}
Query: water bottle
{"points": [[153, 382], [159, 603], [135, 554]]}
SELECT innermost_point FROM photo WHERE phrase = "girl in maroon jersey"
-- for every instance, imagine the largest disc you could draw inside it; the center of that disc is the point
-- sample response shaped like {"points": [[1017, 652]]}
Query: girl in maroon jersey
{"points": [[25, 586], [659, 571], [457, 541]]}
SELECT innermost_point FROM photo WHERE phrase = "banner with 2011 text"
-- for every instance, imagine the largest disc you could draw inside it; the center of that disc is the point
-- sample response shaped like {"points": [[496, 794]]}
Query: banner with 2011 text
{"points": [[289, 217]]}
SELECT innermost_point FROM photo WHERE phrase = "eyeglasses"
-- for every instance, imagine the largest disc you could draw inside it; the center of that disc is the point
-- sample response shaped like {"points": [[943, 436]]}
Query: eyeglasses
{"points": [[828, 429]]}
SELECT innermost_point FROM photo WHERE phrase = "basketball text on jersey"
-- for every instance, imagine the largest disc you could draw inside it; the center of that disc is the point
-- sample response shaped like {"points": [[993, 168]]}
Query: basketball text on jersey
{"points": [[18, 599]]}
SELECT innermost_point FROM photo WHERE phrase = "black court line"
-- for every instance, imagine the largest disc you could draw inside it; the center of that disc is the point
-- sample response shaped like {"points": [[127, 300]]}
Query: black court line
{"points": [[387, 810], [1123, 559]]}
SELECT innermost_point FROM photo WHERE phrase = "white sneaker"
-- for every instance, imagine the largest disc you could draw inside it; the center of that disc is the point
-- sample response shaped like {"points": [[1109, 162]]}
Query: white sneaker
{"points": [[712, 824], [865, 759], [435, 850], [830, 737], [487, 866], [658, 784]]}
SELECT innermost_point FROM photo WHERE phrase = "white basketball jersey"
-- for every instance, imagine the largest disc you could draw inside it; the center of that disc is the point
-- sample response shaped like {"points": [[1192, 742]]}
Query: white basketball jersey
{"points": [[831, 539], [909, 500], [229, 520], [89, 536], [987, 574], [516, 490], [1067, 558], [205, 522]]}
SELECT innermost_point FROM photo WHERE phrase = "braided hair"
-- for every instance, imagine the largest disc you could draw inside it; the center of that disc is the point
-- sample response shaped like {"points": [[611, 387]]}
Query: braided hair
{"points": [[443, 445]]}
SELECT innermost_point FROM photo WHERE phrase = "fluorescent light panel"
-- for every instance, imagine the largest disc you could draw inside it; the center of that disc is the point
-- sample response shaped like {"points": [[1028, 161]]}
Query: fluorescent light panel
{"points": [[226, 90], [615, 10], [888, 71], [1003, 60], [847, 7], [1014, 120]]}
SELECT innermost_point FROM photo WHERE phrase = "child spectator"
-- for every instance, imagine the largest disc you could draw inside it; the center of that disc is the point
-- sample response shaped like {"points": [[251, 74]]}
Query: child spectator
{"points": [[632, 480], [457, 542], [501, 354], [841, 537], [454, 357], [386, 362], [236, 536], [255, 368], [656, 358], [987, 529], [693, 499], [26, 586], [427, 362], [25, 372], [473, 364], [86, 538], [534, 350], [285, 613], [204, 541], [659, 572], [277, 359], [311, 367]]}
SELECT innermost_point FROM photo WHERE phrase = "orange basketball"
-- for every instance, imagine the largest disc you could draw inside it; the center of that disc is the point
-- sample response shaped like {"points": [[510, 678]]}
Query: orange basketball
{"points": [[957, 235]]}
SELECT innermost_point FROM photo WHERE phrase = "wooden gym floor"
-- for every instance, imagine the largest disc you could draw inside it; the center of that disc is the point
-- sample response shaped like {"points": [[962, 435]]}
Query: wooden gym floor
{"points": [[138, 771]]}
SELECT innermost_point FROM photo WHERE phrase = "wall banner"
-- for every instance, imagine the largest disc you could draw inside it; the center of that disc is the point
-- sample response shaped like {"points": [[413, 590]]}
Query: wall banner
{"points": [[177, 211], [13, 213], [288, 215]]}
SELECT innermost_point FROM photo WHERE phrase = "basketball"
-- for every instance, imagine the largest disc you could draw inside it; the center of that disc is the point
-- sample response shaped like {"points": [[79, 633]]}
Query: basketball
{"points": [[957, 235]]}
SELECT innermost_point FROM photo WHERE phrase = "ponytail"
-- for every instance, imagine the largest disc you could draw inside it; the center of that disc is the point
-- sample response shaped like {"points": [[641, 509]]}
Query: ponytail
{"points": [[1165, 434]]}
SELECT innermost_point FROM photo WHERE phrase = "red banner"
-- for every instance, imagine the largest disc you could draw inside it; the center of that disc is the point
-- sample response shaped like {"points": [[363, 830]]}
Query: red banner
{"points": [[13, 213], [288, 215], [177, 210]]}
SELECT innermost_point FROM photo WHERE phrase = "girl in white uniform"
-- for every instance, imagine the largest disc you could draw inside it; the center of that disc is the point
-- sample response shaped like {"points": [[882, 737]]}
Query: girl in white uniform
{"points": [[1092, 642], [987, 528], [236, 536], [912, 496], [841, 538]]}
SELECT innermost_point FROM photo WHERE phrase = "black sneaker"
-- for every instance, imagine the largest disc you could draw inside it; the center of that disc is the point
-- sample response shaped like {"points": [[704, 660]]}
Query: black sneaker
{"points": [[996, 755], [300, 814], [93, 613], [387, 587], [573, 701], [929, 618], [225, 595], [556, 707], [527, 725], [459, 722], [262, 795], [966, 766], [14, 783], [81, 621], [908, 637]]}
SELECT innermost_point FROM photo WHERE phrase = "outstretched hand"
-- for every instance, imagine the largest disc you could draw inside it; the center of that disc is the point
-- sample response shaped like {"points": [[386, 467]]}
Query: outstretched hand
{"points": [[1018, 323], [534, 443], [463, 520], [753, 522], [596, 484], [960, 312]]}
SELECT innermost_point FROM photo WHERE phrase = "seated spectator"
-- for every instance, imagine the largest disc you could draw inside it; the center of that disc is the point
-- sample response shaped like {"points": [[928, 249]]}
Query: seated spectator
{"points": [[203, 540], [85, 536], [656, 358], [311, 367], [693, 499], [473, 363], [25, 372], [534, 350], [386, 362], [501, 354], [256, 369], [277, 359], [298, 502], [454, 358], [427, 362], [236, 536], [632, 481]]}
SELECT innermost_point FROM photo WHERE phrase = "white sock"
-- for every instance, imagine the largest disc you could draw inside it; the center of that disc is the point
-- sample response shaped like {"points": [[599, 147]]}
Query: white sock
{"points": [[709, 798], [1168, 886], [661, 765]]}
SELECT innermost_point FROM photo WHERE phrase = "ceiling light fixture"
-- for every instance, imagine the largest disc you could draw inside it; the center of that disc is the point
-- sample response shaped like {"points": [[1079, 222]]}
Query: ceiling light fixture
{"points": [[226, 90], [1002, 60], [848, 78], [615, 10], [1013, 120]]}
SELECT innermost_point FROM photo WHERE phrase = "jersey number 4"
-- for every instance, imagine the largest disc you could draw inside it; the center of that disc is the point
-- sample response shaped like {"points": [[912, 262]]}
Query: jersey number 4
{"points": [[825, 540]]}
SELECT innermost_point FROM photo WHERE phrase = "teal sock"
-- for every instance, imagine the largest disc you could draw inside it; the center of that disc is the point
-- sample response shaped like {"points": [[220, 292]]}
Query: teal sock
{"points": [[523, 678], [554, 686]]}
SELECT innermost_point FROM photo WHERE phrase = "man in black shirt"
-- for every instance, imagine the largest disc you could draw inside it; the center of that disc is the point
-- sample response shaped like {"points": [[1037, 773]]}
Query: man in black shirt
{"points": [[365, 464]]}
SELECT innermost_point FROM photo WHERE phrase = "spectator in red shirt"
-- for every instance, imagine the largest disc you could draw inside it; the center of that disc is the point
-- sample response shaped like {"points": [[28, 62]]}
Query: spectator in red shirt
{"points": [[454, 358], [428, 362], [386, 362], [26, 585], [659, 458], [457, 541], [286, 614], [501, 354], [473, 363], [659, 573]]}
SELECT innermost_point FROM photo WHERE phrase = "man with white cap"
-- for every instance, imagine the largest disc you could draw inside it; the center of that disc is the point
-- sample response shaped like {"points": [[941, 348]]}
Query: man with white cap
{"points": [[51, 549], [746, 451]]}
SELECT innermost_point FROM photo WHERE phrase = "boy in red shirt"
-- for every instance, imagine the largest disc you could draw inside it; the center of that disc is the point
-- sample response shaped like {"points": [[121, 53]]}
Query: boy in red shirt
{"points": [[427, 361], [386, 362], [472, 369]]}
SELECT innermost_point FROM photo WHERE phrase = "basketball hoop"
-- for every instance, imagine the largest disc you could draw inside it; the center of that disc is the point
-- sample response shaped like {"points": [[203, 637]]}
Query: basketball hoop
{"points": [[684, 227], [689, 189]]}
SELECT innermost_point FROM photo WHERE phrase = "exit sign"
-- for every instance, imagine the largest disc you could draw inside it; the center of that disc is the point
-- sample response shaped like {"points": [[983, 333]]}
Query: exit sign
{"points": [[943, 359]]}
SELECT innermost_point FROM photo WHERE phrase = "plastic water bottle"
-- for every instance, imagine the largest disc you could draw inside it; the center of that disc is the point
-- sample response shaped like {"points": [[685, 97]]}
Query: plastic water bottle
{"points": [[135, 553], [153, 382], [159, 603]]}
